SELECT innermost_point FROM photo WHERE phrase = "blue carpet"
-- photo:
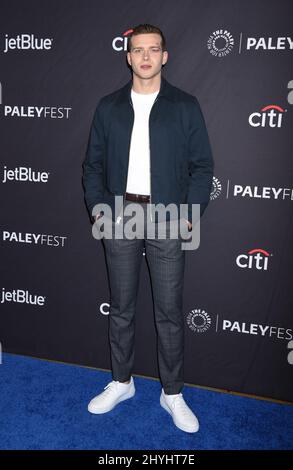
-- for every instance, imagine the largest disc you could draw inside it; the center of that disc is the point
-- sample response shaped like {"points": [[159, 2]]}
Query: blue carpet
{"points": [[43, 405]]}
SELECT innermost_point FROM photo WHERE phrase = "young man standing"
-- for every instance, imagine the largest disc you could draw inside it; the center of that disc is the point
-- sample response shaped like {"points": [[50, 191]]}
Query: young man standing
{"points": [[149, 144]]}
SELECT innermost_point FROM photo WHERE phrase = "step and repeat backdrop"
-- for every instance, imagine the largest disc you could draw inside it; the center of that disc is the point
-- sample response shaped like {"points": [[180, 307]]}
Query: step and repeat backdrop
{"points": [[57, 59]]}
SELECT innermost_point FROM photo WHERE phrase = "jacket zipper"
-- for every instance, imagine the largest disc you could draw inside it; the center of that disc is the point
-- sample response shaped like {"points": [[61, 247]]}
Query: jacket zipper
{"points": [[119, 217], [151, 160]]}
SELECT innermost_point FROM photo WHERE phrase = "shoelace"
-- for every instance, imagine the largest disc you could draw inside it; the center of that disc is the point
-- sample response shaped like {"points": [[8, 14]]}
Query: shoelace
{"points": [[111, 386], [179, 403]]}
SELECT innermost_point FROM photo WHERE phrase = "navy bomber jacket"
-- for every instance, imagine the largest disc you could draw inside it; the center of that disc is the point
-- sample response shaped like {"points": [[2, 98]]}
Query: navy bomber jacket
{"points": [[181, 160]]}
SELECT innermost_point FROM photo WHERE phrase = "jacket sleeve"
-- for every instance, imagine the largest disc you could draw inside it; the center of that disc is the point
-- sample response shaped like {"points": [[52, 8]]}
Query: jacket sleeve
{"points": [[200, 162], [94, 162]]}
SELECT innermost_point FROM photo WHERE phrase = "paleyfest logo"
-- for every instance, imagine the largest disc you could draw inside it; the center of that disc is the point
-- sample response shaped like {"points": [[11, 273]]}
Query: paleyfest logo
{"points": [[30, 112]]}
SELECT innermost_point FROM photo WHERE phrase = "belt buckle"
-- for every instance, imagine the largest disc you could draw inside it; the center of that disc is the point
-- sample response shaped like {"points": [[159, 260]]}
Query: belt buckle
{"points": [[137, 197]]}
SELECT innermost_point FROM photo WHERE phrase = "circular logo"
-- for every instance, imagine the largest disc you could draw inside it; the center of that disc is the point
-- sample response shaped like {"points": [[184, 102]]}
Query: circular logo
{"points": [[220, 43], [216, 188], [198, 320]]}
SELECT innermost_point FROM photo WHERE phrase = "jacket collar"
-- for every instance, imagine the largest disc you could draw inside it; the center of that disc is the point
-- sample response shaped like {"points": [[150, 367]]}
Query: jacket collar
{"points": [[166, 90]]}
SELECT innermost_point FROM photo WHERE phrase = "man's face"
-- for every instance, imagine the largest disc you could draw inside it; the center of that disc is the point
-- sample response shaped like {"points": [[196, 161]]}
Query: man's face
{"points": [[146, 56]]}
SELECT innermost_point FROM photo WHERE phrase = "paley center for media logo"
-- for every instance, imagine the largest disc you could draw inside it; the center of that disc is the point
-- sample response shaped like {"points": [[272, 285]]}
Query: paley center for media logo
{"points": [[24, 42], [216, 188], [31, 111], [221, 42], [200, 321]]}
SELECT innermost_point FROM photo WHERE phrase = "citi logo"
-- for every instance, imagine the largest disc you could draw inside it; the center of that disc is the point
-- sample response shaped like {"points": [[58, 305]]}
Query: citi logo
{"points": [[254, 259], [27, 41], [198, 320], [24, 174], [270, 116], [220, 43], [290, 354], [120, 42], [104, 308], [22, 297], [290, 94]]}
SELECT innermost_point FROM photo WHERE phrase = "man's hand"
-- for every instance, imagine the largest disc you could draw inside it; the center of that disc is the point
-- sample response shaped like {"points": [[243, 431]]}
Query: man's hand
{"points": [[189, 224], [98, 215]]}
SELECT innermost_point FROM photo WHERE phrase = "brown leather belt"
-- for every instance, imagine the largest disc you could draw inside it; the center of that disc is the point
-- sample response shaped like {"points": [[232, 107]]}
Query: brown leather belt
{"points": [[137, 197]]}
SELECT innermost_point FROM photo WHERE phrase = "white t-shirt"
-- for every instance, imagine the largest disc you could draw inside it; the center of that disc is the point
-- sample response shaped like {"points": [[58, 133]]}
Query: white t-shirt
{"points": [[138, 179]]}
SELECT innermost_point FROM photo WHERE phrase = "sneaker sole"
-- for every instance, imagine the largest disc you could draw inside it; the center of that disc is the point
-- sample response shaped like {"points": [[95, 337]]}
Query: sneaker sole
{"points": [[98, 411], [180, 426]]}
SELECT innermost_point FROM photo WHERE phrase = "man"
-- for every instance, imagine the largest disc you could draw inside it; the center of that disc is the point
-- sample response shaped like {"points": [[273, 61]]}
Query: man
{"points": [[149, 145]]}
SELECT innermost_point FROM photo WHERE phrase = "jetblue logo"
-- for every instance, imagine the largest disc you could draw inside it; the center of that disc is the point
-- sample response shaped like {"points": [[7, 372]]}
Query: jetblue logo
{"points": [[24, 174], [22, 297], [27, 41]]}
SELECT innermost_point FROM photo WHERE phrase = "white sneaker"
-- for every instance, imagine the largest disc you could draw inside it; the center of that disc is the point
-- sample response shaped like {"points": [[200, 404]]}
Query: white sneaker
{"points": [[114, 393], [182, 415]]}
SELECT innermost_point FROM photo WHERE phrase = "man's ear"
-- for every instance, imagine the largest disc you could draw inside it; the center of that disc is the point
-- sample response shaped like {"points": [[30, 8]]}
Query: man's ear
{"points": [[165, 57], [128, 58]]}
